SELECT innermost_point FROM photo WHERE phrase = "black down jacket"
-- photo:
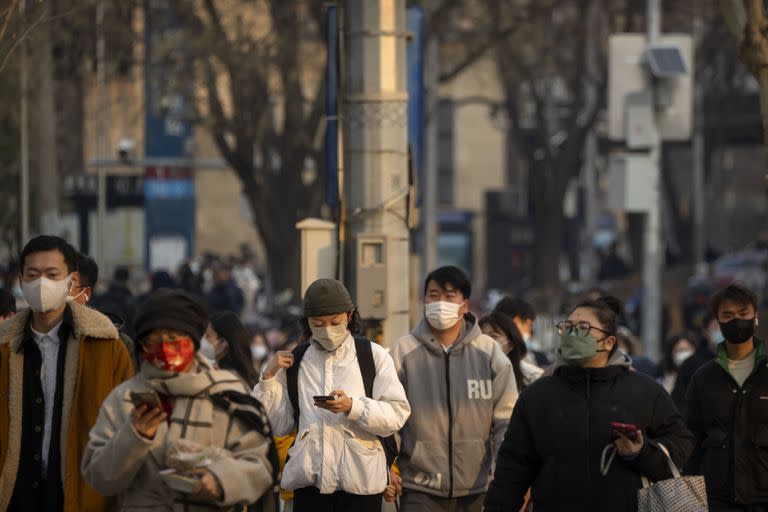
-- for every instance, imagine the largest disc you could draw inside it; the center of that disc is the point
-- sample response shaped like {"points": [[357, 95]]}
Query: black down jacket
{"points": [[560, 427], [731, 427]]}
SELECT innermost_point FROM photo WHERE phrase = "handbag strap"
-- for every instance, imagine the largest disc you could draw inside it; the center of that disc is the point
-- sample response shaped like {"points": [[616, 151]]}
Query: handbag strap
{"points": [[609, 454], [670, 462], [606, 460]]}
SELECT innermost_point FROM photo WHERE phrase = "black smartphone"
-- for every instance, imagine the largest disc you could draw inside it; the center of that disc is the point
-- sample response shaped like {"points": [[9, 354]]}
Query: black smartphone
{"points": [[323, 398], [149, 398]]}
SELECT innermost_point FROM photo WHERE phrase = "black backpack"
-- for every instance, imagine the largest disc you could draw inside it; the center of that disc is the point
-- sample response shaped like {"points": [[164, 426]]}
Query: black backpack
{"points": [[368, 372]]}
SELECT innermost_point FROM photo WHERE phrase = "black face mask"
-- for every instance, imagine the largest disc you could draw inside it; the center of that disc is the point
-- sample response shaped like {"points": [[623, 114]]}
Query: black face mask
{"points": [[738, 330]]}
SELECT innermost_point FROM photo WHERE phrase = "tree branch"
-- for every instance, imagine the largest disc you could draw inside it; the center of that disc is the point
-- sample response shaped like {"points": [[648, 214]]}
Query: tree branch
{"points": [[436, 18], [735, 18], [475, 53], [8, 13]]}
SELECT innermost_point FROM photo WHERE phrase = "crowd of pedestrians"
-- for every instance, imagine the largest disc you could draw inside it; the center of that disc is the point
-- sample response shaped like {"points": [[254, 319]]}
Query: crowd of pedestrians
{"points": [[171, 400]]}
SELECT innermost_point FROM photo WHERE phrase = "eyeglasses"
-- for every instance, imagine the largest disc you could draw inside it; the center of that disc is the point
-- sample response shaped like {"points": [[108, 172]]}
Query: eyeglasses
{"points": [[568, 328]]}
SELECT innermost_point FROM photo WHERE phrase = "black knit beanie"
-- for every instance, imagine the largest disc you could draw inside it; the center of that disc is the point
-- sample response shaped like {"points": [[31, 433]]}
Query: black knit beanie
{"points": [[326, 297], [172, 309]]}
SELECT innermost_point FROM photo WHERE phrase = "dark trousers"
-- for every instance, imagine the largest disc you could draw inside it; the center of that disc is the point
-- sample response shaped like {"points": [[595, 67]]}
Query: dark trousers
{"points": [[309, 499], [412, 501], [721, 506]]}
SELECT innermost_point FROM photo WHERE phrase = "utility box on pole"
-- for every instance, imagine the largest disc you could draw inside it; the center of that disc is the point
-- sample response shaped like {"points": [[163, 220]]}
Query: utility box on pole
{"points": [[628, 72], [371, 276], [376, 164], [629, 188], [318, 250], [650, 100]]}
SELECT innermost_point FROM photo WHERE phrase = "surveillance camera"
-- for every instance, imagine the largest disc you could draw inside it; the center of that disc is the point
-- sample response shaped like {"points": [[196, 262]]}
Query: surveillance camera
{"points": [[126, 149]]}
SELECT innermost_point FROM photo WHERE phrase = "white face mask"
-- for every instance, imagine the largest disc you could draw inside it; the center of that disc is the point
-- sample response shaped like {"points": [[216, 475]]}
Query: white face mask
{"points": [[680, 357], [207, 350], [330, 338], [44, 295], [442, 315], [259, 352]]}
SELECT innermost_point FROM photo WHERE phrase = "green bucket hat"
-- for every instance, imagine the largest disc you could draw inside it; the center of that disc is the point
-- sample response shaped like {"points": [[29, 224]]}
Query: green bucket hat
{"points": [[326, 297]]}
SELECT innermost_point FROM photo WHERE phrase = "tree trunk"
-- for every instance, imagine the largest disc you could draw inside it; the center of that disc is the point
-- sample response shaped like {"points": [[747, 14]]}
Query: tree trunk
{"points": [[549, 223], [763, 78], [284, 259], [548, 246], [278, 204]]}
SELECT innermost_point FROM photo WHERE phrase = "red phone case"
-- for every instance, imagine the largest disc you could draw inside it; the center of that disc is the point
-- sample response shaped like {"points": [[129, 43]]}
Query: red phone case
{"points": [[627, 429]]}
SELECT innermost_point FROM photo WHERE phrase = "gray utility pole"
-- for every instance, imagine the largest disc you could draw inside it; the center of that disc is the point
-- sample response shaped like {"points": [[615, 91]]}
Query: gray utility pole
{"points": [[24, 178], [376, 162], [429, 206], [699, 236], [653, 247], [103, 127], [589, 169]]}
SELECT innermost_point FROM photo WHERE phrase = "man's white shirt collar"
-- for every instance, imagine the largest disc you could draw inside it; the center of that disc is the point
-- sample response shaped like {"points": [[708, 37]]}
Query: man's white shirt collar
{"points": [[52, 335]]}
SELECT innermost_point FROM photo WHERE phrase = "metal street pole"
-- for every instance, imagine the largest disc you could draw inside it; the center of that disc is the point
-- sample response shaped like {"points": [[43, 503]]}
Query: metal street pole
{"points": [[589, 170], [429, 207], [699, 240], [24, 177], [376, 162], [654, 251], [101, 137]]}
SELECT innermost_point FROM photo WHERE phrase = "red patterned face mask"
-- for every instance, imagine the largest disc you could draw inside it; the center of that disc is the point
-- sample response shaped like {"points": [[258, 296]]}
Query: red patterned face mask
{"points": [[173, 356]]}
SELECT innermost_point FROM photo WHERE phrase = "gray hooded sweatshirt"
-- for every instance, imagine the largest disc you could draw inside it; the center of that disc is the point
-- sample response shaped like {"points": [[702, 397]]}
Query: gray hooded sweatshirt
{"points": [[461, 401]]}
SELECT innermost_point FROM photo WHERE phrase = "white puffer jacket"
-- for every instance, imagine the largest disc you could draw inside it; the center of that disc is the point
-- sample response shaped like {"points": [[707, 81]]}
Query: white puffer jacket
{"points": [[337, 452]]}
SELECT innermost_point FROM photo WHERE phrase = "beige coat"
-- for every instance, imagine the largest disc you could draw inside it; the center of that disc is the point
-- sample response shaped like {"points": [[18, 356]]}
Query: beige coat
{"points": [[95, 363], [120, 462]]}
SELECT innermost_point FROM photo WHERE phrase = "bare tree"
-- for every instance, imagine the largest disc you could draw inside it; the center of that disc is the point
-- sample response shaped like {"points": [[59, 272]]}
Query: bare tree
{"points": [[746, 20], [552, 104], [263, 103], [259, 65]]}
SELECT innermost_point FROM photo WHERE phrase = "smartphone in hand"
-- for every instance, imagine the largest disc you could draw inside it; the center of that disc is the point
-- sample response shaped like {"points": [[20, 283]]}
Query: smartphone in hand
{"points": [[145, 397], [323, 398], [627, 430]]}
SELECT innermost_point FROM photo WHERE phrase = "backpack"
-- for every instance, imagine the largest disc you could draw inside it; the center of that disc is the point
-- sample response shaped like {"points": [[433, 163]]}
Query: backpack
{"points": [[250, 411], [367, 371]]}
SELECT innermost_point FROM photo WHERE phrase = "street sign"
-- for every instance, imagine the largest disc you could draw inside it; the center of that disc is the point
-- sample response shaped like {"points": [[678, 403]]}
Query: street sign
{"points": [[122, 191]]}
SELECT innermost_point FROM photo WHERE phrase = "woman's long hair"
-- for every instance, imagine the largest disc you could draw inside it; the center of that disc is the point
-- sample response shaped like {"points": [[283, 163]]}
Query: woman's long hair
{"points": [[228, 326], [501, 323]]}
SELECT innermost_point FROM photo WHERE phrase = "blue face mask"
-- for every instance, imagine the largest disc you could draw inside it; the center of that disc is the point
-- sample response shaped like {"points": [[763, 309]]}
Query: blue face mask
{"points": [[717, 337]]}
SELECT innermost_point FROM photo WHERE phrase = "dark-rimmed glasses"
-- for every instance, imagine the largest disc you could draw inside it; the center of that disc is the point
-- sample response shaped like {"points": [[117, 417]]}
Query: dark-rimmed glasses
{"points": [[568, 328]]}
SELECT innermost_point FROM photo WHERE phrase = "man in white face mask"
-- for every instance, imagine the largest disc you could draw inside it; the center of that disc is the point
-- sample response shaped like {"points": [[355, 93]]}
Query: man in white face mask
{"points": [[462, 389], [342, 395], [58, 361]]}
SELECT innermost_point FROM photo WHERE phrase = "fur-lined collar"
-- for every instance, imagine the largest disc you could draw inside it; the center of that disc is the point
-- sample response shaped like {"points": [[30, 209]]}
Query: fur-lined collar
{"points": [[88, 323]]}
